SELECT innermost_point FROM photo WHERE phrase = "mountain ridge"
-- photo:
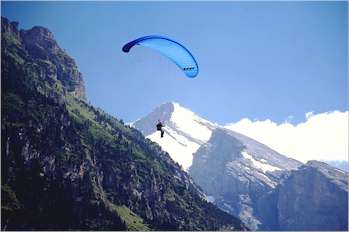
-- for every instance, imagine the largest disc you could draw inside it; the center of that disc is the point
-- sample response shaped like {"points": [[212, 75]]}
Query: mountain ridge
{"points": [[235, 171], [69, 166], [182, 140], [180, 128], [246, 178]]}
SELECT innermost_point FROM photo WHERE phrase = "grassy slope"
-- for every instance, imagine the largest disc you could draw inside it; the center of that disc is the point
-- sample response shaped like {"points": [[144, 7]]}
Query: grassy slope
{"points": [[67, 165]]}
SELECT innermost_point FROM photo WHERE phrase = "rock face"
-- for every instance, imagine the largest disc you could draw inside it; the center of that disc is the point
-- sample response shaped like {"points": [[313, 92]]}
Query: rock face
{"points": [[235, 171], [269, 191], [266, 190], [39, 43], [313, 198], [69, 166]]}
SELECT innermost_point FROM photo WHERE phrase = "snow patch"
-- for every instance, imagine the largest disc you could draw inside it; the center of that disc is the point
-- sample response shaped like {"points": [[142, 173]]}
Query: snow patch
{"points": [[260, 164], [184, 134], [210, 199], [340, 170], [179, 148], [190, 123]]}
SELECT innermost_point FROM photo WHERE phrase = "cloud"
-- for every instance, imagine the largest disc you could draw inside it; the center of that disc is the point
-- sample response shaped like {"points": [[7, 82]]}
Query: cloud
{"points": [[322, 136]]}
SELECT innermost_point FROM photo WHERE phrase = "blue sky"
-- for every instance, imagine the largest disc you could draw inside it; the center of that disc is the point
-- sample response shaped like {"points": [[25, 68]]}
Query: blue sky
{"points": [[257, 60]]}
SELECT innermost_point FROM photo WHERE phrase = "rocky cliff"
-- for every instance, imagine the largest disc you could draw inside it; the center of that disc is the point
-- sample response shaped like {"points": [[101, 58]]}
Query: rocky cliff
{"points": [[235, 171], [267, 190], [69, 166], [313, 198], [39, 43]]}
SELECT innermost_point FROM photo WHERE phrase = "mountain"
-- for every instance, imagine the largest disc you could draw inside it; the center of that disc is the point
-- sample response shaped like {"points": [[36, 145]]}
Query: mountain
{"points": [[248, 179], [232, 169], [185, 131], [235, 171], [69, 166], [268, 191], [312, 198], [340, 164]]}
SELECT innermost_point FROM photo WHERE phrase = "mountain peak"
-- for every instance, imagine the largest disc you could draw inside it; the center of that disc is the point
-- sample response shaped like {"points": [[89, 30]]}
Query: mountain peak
{"points": [[166, 107], [335, 175], [39, 43], [315, 163], [323, 167], [40, 32], [147, 124], [313, 198], [9, 27], [171, 107], [38, 38], [185, 131]]}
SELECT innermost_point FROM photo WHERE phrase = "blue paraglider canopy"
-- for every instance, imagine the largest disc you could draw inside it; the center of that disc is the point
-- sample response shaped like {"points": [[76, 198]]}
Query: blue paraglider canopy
{"points": [[173, 50]]}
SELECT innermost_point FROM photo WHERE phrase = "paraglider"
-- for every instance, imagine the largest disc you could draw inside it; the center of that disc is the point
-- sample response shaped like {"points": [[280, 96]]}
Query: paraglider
{"points": [[160, 127], [171, 49]]}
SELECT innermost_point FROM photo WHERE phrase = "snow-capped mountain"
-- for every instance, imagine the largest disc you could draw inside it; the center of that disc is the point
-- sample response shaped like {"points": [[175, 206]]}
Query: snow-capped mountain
{"points": [[267, 190], [238, 174], [235, 171], [185, 132], [231, 168]]}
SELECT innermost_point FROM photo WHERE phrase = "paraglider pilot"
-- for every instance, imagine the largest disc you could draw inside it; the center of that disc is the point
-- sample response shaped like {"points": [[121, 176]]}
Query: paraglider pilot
{"points": [[160, 128]]}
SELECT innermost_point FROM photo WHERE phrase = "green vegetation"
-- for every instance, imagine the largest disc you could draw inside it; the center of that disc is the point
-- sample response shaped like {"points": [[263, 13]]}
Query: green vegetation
{"points": [[9, 201], [133, 222], [78, 108], [69, 166]]}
